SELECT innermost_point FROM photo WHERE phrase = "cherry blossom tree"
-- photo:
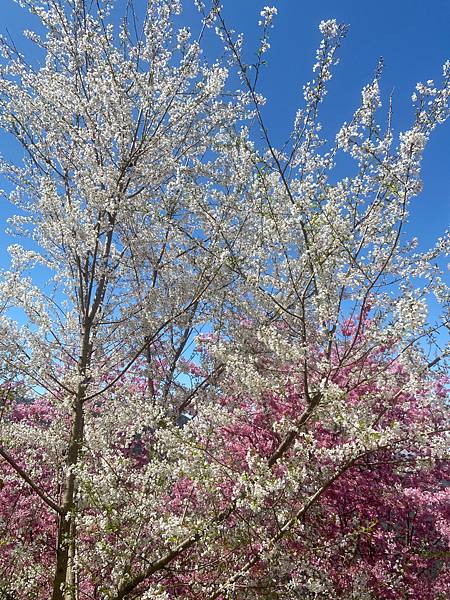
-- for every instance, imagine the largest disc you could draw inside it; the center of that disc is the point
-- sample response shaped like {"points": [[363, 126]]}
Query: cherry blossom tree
{"points": [[229, 387]]}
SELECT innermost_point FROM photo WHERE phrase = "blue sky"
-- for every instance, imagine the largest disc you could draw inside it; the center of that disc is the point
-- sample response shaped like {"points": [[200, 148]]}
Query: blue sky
{"points": [[412, 37]]}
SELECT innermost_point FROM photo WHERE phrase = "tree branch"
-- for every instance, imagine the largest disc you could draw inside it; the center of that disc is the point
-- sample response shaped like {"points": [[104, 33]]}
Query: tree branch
{"points": [[39, 491]]}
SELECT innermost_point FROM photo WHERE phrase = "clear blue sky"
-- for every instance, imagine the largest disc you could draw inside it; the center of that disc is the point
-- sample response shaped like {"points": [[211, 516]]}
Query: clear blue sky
{"points": [[413, 38]]}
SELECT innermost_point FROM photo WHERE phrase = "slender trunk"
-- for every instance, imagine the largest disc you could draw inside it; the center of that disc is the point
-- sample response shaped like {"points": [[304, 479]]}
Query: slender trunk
{"points": [[65, 548], [72, 593], [64, 580], [65, 525]]}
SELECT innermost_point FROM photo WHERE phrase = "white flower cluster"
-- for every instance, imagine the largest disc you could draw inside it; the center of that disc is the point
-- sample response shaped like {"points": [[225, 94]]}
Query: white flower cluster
{"points": [[412, 144], [267, 14], [183, 36], [329, 29]]}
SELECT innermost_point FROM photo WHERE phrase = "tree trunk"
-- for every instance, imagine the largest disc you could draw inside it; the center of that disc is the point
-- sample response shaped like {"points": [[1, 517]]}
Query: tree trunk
{"points": [[65, 525], [62, 582]]}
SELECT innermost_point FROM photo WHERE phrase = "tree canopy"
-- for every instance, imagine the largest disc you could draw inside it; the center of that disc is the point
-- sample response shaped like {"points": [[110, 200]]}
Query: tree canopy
{"points": [[229, 386]]}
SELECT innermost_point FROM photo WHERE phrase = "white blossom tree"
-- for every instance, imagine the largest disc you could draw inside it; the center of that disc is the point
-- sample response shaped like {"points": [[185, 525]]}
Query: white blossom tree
{"points": [[160, 219]]}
